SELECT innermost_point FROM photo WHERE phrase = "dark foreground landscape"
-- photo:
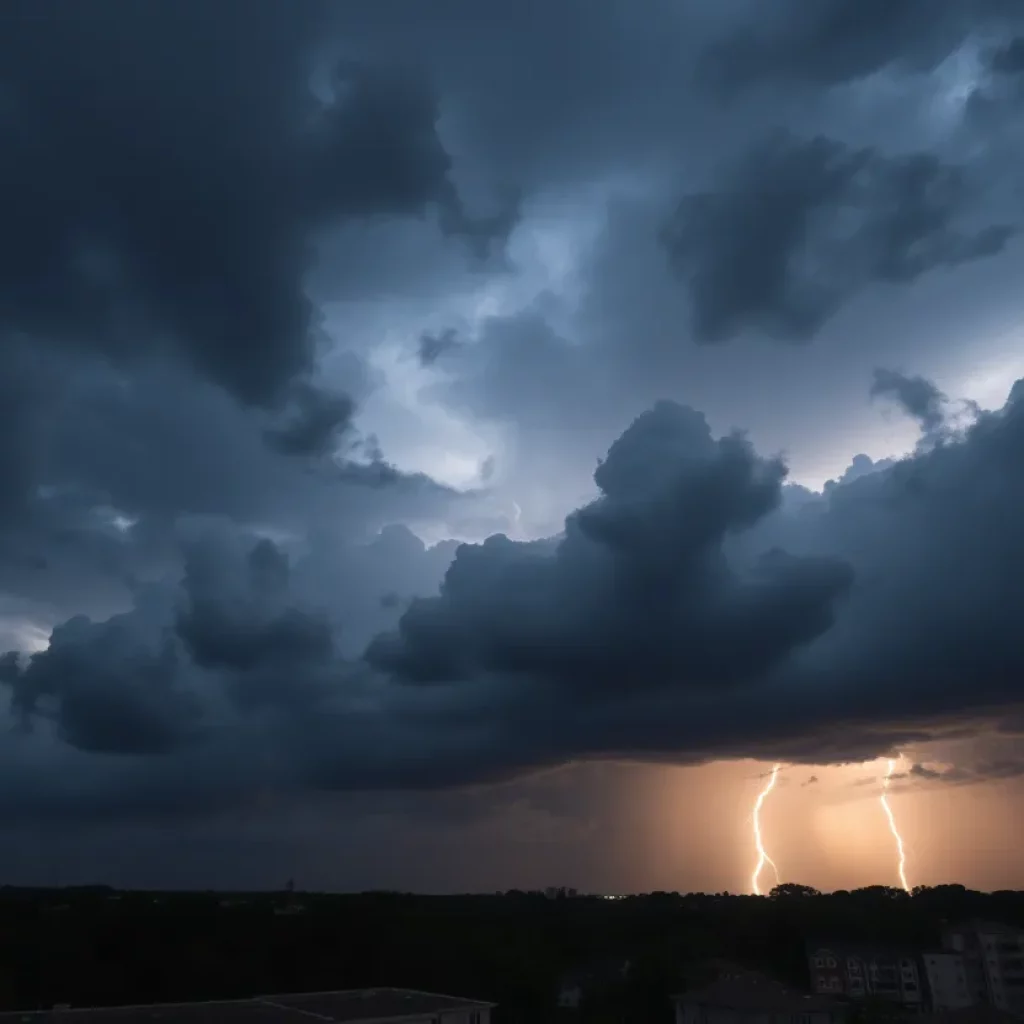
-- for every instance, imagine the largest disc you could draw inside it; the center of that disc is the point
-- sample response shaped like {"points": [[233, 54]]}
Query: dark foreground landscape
{"points": [[98, 946]]}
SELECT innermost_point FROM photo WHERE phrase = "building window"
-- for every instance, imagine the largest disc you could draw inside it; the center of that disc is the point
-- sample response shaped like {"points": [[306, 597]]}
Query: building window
{"points": [[832, 961], [474, 1018], [819, 962]]}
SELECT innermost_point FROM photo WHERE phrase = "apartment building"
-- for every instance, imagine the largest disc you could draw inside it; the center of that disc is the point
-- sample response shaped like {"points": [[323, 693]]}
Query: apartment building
{"points": [[992, 956], [948, 987], [858, 972]]}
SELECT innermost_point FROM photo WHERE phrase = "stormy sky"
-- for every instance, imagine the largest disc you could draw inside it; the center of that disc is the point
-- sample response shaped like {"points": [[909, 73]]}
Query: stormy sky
{"points": [[460, 445]]}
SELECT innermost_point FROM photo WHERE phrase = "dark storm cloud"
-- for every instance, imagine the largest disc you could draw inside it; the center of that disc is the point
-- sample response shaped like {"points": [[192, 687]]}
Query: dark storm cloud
{"points": [[170, 175], [994, 104], [920, 398], [239, 627], [223, 668], [168, 194], [314, 424], [644, 631], [166, 165], [891, 660], [800, 226], [105, 689], [640, 569], [1009, 58], [432, 346], [838, 41], [106, 466]]}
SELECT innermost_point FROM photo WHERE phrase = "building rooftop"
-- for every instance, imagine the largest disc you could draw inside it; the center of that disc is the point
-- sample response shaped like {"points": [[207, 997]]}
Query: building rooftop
{"points": [[746, 990], [346, 1007]]}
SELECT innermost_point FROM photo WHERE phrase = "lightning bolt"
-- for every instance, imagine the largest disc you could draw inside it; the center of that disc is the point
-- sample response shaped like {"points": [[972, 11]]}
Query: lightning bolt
{"points": [[762, 855], [884, 798]]}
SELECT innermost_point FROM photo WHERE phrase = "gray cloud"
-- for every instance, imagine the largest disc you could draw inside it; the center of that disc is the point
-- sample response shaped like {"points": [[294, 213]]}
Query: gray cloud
{"points": [[800, 226], [107, 687], [1008, 59], [838, 41], [164, 196], [860, 466], [217, 683], [980, 770], [995, 100], [639, 569], [233, 163], [433, 346], [315, 424], [919, 397], [232, 237], [644, 631]]}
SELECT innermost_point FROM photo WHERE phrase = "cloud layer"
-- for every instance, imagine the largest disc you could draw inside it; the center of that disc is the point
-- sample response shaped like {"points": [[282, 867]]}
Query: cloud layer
{"points": [[689, 612], [801, 226], [275, 278]]}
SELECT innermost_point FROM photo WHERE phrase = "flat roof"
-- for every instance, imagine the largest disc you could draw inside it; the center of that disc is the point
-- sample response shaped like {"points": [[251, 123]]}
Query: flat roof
{"points": [[343, 1007]]}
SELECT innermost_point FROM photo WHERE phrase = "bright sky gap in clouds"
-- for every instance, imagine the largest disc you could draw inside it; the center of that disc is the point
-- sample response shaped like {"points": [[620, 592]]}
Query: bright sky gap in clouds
{"points": [[485, 460]]}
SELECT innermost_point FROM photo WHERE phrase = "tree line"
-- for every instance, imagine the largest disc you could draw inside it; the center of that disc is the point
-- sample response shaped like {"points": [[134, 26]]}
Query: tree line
{"points": [[96, 946]]}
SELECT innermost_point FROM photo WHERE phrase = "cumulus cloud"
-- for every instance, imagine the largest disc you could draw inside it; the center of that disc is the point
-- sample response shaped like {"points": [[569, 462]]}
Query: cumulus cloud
{"points": [[639, 570], [797, 227], [861, 465], [193, 162], [218, 681], [236, 241], [166, 192], [645, 630]]}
